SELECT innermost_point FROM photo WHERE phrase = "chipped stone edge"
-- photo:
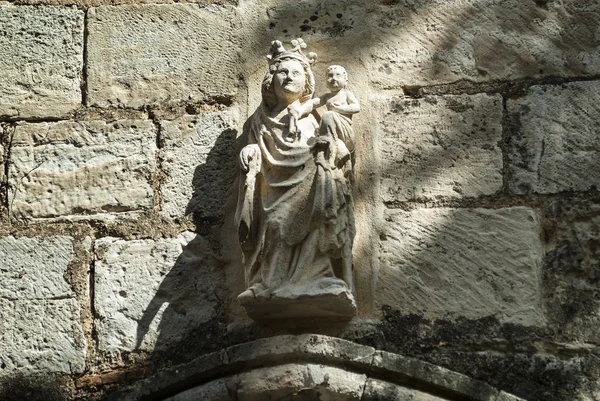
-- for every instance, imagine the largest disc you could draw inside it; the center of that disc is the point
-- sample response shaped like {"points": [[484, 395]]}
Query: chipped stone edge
{"points": [[311, 348]]}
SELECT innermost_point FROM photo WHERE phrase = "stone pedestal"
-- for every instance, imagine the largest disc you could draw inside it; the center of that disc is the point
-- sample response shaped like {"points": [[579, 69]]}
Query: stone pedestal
{"points": [[339, 304]]}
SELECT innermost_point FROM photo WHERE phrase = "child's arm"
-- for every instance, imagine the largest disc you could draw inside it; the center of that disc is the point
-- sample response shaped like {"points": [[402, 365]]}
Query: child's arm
{"points": [[352, 106], [306, 108]]}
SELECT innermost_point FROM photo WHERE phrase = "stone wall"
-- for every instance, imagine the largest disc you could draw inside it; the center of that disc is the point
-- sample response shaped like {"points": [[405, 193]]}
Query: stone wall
{"points": [[477, 203]]}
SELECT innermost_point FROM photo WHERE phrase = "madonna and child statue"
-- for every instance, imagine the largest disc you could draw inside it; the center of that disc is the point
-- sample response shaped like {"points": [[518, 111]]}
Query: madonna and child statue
{"points": [[294, 215]]}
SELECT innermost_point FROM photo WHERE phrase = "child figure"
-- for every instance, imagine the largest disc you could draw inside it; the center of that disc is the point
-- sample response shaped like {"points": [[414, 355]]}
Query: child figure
{"points": [[336, 122]]}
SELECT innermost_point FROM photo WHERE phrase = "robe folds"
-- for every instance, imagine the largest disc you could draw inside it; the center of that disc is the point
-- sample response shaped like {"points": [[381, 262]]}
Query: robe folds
{"points": [[294, 214]]}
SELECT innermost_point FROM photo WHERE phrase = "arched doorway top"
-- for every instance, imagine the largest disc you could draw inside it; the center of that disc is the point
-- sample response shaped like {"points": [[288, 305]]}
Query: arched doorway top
{"points": [[304, 368]]}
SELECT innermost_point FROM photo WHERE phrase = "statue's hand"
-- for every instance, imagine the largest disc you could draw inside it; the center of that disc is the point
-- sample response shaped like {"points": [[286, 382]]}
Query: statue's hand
{"points": [[246, 155], [294, 111]]}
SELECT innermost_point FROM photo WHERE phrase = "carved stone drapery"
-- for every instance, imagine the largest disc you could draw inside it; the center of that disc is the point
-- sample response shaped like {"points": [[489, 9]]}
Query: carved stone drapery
{"points": [[295, 209]]}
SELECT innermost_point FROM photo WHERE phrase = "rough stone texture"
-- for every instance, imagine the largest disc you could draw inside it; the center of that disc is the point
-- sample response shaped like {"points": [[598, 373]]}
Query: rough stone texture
{"points": [[41, 59], [554, 142], [532, 377], [70, 168], [334, 29], [440, 146], [199, 160], [435, 376], [456, 262], [97, 3], [39, 316], [282, 347], [150, 294], [307, 368], [378, 390], [297, 381], [438, 41], [34, 269], [147, 54], [215, 390], [573, 229], [2, 175]]}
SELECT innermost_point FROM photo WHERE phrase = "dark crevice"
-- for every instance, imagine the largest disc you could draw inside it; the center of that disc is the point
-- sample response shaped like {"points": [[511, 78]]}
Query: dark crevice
{"points": [[158, 174], [510, 88], [92, 290], [504, 146], [7, 132], [15, 119], [84, 77], [496, 201]]}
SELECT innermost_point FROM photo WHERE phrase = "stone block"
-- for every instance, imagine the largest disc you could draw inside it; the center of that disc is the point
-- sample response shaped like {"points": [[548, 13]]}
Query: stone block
{"points": [[298, 381], [41, 336], [40, 329], [145, 54], [81, 168], [572, 272], [436, 41], [440, 146], [298, 346], [41, 59], [215, 390], [418, 371], [554, 145], [379, 390], [446, 263], [34, 268], [199, 160], [151, 294]]}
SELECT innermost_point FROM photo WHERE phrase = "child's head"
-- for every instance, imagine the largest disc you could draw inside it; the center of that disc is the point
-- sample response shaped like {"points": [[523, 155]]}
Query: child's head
{"points": [[337, 77]]}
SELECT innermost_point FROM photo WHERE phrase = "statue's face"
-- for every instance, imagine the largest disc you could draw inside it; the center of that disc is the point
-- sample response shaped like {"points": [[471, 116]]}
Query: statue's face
{"points": [[336, 79], [289, 79]]}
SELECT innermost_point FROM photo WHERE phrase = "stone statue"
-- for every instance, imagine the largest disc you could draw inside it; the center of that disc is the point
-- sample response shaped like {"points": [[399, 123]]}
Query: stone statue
{"points": [[336, 123], [295, 210]]}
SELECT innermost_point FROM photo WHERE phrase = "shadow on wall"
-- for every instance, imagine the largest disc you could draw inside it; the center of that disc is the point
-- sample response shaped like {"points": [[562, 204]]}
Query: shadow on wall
{"points": [[190, 302], [213, 182], [198, 273], [35, 387]]}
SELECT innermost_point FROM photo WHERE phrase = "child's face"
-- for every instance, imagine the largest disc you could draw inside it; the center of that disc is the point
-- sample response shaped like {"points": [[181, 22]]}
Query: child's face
{"points": [[336, 79]]}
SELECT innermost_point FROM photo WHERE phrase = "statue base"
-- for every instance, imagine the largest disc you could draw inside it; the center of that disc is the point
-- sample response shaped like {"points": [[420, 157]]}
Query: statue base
{"points": [[339, 304]]}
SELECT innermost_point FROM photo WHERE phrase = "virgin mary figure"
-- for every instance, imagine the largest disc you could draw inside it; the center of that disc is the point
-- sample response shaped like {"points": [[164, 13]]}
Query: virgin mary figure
{"points": [[295, 211]]}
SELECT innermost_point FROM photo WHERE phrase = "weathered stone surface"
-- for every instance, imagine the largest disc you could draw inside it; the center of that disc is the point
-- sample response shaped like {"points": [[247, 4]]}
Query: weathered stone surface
{"points": [[146, 54], [41, 57], [379, 390], [199, 161], [215, 390], [445, 263], [70, 168], [282, 347], [307, 368], [96, 3], [2, 175], [572, 273], [437, 41], [43, 336], [34, 268], [297, 381], [435, 376], [334, 29], [555, 140], [440, 146], [39, 316], [150, 294]]}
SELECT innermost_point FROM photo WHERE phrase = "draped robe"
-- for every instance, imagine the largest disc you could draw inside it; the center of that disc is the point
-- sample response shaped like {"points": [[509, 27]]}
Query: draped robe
{"points": [[294, 214]]}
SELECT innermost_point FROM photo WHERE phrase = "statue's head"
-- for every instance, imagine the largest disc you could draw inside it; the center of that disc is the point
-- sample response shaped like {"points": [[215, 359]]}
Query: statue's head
{"points": [[337, 77], [289, 74]]}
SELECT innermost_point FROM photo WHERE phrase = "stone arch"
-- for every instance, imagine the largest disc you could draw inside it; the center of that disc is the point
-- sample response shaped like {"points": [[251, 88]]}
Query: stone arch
{"points": [[305, 368]]}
